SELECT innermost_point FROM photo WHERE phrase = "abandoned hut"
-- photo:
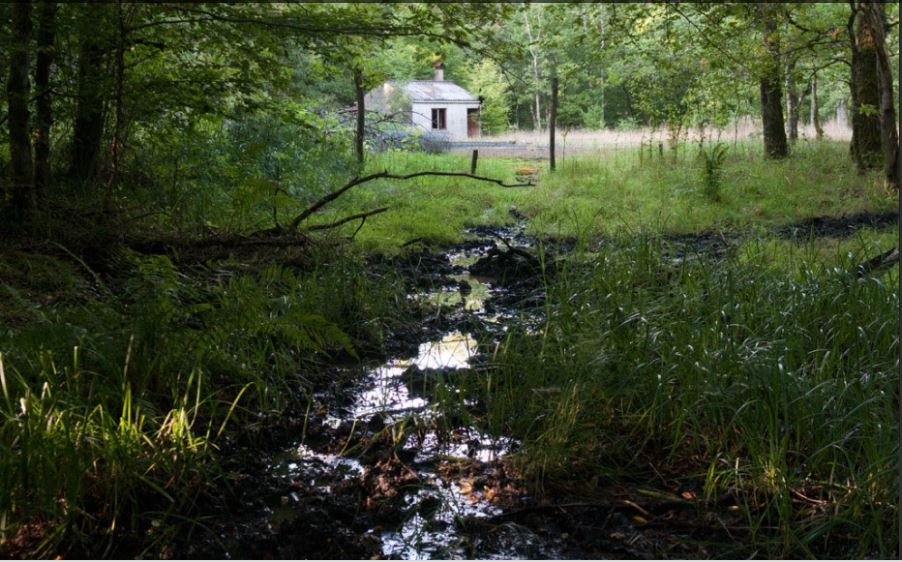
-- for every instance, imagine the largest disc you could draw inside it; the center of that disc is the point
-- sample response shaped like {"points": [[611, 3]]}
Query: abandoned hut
{"points": [[438, 106]]}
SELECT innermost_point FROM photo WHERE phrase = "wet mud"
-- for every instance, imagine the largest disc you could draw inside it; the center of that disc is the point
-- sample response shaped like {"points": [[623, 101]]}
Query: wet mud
{"points": [[373, 469]]}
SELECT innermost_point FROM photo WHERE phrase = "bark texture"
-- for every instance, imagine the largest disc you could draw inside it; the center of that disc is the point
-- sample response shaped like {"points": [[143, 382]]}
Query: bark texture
{"points": [[18, 89], [889, 136], [552, 121], [775, 145], [89, 115], [360, 92], [815, 117], [866, 147], [44, 119]]}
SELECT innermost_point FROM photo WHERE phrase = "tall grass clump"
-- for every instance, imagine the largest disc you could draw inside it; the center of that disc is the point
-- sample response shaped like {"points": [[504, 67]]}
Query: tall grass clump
{"points": [[769, 386]]}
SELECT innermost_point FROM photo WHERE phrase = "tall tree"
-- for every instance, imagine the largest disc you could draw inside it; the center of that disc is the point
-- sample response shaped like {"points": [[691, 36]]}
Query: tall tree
{"points": [[534, 54], [44, 119], [874, 19], [360, 129], [815, 109], [775, 145], [18, 94], [91, 94], [865, 90]]}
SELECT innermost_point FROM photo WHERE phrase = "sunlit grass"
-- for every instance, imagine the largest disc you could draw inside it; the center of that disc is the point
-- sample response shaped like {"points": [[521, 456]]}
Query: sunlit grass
{"points": [[611, 191]]}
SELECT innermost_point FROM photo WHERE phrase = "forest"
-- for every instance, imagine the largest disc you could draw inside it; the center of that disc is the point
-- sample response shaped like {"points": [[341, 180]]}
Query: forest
{"points": [[445, 280]]}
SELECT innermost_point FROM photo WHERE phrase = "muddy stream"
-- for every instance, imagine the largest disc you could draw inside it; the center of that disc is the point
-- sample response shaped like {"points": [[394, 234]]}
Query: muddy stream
{"points": [[422, 482], [377, 469]]}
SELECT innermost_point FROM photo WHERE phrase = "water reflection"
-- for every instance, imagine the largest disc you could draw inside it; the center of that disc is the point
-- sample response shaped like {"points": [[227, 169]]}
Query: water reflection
{"points": [[385, 390], [451, 352]]}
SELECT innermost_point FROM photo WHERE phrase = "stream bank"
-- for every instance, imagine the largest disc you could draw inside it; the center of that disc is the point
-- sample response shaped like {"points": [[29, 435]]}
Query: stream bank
{"points": [[373, 468]]}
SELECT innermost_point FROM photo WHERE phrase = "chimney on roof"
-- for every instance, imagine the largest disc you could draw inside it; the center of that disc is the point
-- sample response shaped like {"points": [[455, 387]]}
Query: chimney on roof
{"points": [[439, 70]]}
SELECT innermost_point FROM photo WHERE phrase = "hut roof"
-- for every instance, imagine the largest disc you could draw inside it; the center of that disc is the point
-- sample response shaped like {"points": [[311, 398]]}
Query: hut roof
{"points": [[436, 91]]}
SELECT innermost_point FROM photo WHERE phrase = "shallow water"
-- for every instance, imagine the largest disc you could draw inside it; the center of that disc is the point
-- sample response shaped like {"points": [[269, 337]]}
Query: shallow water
{"points": [[435, 506]]}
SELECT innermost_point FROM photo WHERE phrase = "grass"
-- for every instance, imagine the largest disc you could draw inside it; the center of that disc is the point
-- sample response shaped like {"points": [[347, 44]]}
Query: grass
{"points": [[116, 391], [759, 381], [603, 194]]}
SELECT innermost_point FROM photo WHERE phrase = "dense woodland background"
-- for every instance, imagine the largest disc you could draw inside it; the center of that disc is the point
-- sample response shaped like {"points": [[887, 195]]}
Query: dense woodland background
{"points": [[117, 95], [197, 232]]}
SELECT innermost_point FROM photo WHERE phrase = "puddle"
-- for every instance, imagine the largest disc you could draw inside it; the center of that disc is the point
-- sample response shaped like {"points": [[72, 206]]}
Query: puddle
{"points": [[467, 443], [386, 393], [385, 388], [435, 505], [451, 352], [433, 535], [302, 460]]}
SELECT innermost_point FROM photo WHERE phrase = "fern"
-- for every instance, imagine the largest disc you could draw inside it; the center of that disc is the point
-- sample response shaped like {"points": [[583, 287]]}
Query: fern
{"points": [[712, 173]]}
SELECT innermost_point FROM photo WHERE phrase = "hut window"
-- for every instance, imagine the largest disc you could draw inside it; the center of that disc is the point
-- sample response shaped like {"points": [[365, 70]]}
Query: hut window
{"points": [[438, 119]]}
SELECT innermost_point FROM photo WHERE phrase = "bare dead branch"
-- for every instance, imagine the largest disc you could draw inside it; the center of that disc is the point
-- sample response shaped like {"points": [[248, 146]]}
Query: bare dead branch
{"points": [[317, 205], [364, 215]]}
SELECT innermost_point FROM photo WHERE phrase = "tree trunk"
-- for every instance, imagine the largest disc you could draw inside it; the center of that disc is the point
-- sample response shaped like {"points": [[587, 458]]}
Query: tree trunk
{"points": [[603, 76], [552, 120], [18, 92], [44, 121], [361, 117], [889, 136], [118, 100], [88, 129], [793, 101], [537, 113], [775, 145], [815, 118], [866, 148]]}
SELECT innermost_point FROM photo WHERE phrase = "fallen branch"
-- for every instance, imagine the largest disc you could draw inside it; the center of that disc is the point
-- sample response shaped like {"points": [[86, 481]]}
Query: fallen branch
{"points": [[347, 219], [531, 259], [879, 263], [317, 205]]}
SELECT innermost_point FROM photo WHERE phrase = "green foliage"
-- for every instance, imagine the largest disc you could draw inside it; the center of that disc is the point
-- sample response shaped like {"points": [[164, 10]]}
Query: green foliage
{"points": [[603, 194], [712, 173], [764, 384], [484, 79], [113, 407]]}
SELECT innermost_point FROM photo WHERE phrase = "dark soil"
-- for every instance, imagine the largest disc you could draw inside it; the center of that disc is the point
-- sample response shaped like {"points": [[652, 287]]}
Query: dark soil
{"points": [[339, 510]]}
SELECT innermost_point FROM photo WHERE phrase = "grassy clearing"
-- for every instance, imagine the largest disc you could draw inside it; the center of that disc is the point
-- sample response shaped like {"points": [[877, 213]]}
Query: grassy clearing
{"points": [[114, 398], [612, 191], [734, 376]]}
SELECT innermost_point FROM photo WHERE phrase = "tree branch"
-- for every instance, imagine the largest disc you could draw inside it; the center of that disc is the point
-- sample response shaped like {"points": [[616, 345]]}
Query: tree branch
{"points": [[364, 215], [385, 30], [317, 205]]}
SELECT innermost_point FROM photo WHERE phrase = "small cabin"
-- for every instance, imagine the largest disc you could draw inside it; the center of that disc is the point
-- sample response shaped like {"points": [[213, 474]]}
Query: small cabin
{"points": [[438, 106]]}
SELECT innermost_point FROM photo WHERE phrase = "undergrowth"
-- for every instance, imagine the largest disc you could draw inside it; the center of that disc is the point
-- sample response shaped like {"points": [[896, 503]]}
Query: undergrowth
{"points": [[778, 387], [115, 395]]}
